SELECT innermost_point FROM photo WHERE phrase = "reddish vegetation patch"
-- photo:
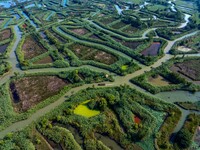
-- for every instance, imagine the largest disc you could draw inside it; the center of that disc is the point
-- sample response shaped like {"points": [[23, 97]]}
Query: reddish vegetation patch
{"points": [[45, 60], [29, 91], [32, 48], [5, 34], [80, 31], [153, 50], [137, 119], [24, 25]]}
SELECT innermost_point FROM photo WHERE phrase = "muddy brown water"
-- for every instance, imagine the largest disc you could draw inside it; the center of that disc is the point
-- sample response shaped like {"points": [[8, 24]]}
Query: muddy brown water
{"points": [[54, 145], [108, 142]]}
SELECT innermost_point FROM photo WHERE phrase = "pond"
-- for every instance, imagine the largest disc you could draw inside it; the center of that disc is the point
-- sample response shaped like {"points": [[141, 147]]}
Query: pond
{"points": [[179, 96]]}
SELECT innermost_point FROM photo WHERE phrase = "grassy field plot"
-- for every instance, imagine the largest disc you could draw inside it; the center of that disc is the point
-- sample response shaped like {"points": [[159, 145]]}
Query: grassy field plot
{"points": [[32, 48], [89, 53], [29, 91], [107, 20], [130, 30], [118, 25], [80, 31], [44, 60], [5, 34], [158, 81]]}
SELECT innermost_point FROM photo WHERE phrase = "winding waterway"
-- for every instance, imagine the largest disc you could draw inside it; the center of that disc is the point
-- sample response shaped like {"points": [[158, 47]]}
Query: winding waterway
{"points": [[31, 21], [186, 18], [173, 97]]}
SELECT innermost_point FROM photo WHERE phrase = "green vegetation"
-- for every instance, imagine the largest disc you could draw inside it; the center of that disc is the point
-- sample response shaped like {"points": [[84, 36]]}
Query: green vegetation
{"points": [[4, 67], [48, 88], [118, 104], [185, 135], [187, 46], [175, 82], [189, 105], [55, 54]]}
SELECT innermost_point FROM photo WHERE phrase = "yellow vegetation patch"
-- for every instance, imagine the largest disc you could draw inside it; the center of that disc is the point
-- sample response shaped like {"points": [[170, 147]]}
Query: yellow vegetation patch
{"points": [[124, 67], [83, 110]]}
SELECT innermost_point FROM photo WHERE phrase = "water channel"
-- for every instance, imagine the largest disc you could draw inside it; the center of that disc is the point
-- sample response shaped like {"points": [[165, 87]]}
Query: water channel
{"points": [[171, 97]]}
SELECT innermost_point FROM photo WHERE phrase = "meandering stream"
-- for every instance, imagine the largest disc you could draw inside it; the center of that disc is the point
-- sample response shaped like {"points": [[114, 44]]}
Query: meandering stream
{"points": [[174, 96]]}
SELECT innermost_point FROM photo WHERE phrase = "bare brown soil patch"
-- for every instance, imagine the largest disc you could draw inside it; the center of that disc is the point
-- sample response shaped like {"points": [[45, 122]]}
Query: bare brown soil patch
{"points": [[5, 34], [184, 48], [45, 60], [29, 91], [130, 44], [93, 36], [31, 48], [130, 30], [104, 57], [90, 53], [189, 68], [159, 81], [81, 31]]}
